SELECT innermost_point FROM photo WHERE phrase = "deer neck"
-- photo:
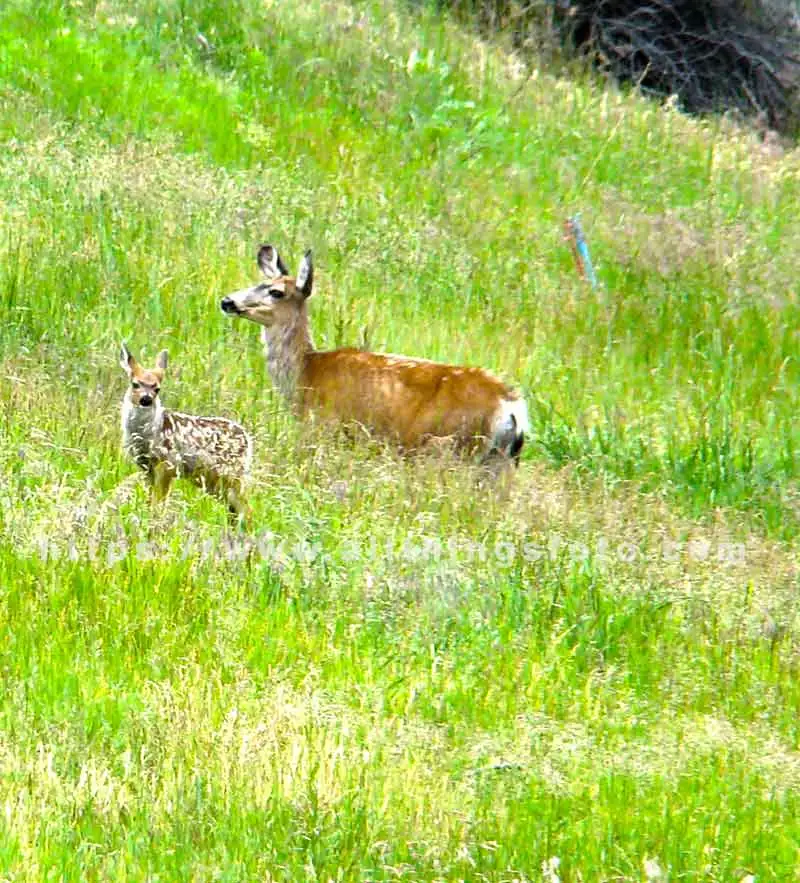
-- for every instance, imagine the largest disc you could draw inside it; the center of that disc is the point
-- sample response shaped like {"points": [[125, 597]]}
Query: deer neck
{"points": [[141, 429], [287, 349]]}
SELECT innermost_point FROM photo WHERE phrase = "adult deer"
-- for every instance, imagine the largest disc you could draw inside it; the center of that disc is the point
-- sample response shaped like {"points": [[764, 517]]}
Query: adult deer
{"points": [[412, 401]]}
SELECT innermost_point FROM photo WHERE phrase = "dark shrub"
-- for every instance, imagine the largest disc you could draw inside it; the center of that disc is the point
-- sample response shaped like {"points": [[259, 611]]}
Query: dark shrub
{"points": [[714, 55]]}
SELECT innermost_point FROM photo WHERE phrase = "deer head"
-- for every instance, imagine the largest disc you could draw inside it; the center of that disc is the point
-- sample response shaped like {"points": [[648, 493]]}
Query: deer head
{"points": [[145, 383], [280, 298]]}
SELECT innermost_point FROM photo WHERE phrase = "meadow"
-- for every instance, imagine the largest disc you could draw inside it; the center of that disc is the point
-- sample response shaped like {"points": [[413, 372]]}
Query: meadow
{"points": [[393, 674]]}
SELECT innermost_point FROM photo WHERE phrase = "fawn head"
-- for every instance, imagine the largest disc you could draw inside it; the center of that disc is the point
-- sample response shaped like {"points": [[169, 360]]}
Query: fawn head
{"points": [[145, 383], [277, 300]]}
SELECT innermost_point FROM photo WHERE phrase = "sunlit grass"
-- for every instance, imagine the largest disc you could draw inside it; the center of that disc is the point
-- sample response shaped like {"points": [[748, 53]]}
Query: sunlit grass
{"points": [[393, 674]]}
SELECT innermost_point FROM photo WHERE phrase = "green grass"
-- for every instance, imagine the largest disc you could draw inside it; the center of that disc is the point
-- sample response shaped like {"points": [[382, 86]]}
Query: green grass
{"points": [[407, 678]]}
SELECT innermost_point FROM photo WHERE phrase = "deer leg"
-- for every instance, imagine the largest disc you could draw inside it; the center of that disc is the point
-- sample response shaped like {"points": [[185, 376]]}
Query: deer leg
{"points": [[229, 491], [496, 470], [161, 478], [238, 510]]}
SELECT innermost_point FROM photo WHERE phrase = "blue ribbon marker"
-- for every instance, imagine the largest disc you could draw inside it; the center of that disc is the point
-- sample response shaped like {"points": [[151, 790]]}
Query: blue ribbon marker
{"points": [[580, 249]]}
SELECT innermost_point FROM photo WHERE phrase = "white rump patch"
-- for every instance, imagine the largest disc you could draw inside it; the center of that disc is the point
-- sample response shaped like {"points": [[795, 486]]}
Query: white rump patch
{"points": [[511, 422], [519, 410]]}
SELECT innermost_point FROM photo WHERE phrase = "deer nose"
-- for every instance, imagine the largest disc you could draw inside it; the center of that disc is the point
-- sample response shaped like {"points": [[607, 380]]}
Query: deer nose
{"points": [[146, 400], [228, 305]]}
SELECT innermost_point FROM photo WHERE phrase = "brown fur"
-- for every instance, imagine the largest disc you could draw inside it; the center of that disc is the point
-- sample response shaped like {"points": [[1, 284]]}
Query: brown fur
{"points": [[411, 401], [408, 400]]}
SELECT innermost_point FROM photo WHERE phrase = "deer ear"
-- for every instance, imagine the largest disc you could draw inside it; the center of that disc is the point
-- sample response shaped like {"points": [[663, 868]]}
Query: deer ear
{"points": [[305, 275], [161, 362], [270, 262], [126, 360]]}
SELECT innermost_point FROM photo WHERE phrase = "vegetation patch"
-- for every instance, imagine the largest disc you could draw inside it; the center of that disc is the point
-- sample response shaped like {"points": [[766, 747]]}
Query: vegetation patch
{"points": [[392, 673]]}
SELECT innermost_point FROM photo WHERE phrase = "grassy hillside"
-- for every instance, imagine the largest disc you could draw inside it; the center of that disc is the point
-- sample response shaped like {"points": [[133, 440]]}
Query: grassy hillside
{"points": [[405, 678]]}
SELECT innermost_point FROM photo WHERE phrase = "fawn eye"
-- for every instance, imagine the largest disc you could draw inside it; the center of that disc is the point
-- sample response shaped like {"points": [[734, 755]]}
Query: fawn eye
{"points": [[276, 293], [135, 384]]}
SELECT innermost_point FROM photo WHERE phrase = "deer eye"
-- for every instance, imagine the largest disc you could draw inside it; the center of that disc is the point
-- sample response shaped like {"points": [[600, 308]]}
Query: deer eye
{"points": [[135, 384], [276, 293]]}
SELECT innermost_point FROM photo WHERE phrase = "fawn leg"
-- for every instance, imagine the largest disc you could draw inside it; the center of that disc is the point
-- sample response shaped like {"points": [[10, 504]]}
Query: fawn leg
{"points": [[229, 491], [161, 478], [238, 510]]}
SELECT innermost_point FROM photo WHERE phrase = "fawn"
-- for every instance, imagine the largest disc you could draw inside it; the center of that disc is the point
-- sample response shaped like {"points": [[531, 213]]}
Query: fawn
{"points": [[411, 401], [213, 452]]}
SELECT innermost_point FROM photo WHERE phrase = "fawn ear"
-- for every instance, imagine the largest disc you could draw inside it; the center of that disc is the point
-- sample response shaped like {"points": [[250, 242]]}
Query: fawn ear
{"points": [[161, 362], [305, 275], [270, 262], [126, 360]]}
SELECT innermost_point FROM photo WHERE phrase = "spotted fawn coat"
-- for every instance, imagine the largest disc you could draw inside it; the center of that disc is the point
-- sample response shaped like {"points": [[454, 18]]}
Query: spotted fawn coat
{"points": [[213, 452]]}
